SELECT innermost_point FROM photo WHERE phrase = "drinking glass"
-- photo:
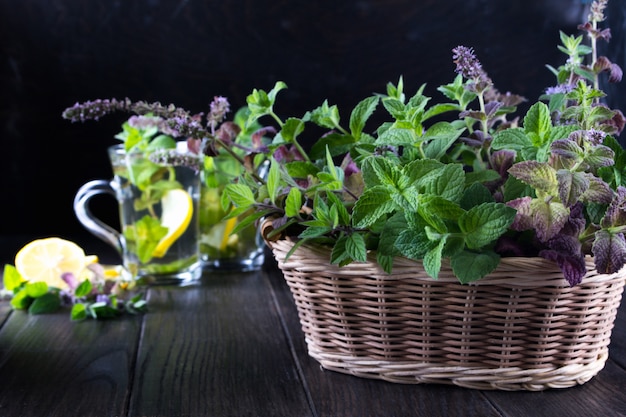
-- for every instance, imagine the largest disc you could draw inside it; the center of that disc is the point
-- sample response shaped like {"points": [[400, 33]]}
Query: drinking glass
{"points": [[158, 196]]}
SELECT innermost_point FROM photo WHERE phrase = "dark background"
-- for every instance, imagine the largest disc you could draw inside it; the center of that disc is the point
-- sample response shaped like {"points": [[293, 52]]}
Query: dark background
{"points": [[54, 53]]}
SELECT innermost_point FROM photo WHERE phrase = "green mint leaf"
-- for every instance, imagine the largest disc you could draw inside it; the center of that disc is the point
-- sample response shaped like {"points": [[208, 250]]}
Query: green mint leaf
{"points": [[21, 300], [395, 107], [475, 195], [440, 108], [240, 195], [11, 278], [385, 262], [36, 289], [275, 90], [470, 266], [360, 114], [273, 180], [338, 205], [338, 144], [448, 182], [146, 234], [434, 210], [538, 124], [314, 231], [326, 116], [301, 169], [485, 223], [339, 254], [514, 139], [79, 312], [441, 136], [161, 142], [414, 243], [291, 129], [355, 247], [392, 228], [83, 289], [101, 310], [374, 203], [421, 171], [293, 202], [379, 171], [47, 303], [483, 176], [397, 137], [432, 259]]}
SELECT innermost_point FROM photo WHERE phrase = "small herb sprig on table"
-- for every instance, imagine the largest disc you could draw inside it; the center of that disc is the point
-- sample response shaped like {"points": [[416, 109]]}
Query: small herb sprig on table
{"points": [[98, 298]]}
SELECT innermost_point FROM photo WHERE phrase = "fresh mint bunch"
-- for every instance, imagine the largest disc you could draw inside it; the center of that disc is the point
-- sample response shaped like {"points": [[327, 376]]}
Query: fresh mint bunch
{"points": [[463, 181]]}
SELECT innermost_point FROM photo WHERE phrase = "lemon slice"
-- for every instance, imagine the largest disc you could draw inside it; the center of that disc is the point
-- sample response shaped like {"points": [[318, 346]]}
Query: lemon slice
{"points": [[176, 212], [47, 259], [226, 237]]}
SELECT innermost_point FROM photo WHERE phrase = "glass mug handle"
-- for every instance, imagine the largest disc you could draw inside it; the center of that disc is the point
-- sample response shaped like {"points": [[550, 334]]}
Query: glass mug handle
{"points": [[96, 226]]}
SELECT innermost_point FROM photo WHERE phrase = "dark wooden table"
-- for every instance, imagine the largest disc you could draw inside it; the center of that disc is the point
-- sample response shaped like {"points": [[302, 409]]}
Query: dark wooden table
{"points": [[232, 346]]}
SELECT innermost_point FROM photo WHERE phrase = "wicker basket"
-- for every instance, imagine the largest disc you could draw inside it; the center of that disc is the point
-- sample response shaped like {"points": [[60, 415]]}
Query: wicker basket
{"points": [[521, 328]]}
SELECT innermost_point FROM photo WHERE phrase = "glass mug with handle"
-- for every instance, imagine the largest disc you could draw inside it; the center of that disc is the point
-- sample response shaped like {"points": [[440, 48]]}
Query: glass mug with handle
{"points": [[158, 196]]}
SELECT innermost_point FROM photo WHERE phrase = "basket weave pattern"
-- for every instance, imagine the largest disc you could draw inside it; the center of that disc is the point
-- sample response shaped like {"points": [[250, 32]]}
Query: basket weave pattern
{"points": [[520, 328]]}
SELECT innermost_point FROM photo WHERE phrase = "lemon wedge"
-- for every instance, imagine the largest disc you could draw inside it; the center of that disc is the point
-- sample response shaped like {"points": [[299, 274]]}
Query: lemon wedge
{"points": [[47, 259], [226, 237], [176, 213]]}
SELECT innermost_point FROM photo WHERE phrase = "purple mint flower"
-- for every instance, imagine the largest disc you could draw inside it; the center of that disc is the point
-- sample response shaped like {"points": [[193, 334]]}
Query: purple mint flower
{"points": [[70, 280], [559, 89], [93, 110], [218, 109], [103, 298], [468, 65]]}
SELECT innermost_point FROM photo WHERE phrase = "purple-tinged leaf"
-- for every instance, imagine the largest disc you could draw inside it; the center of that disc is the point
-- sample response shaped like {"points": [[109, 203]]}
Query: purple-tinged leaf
{"points": [[548, 218], [502, 161], [601, 156], [572, 185], [616, 212], [598, 191], [538, 175], [523, 220], [567, 148], [609, 251], [573, 266]]}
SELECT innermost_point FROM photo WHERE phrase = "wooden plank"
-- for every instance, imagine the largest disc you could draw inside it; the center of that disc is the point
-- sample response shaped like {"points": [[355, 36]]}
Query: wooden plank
{"points": [[339, 394], [51, 366], [216, 350]]}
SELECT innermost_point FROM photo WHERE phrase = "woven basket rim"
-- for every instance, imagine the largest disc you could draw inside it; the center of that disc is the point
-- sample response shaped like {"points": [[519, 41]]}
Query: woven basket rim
{"points": [[317, 256]]}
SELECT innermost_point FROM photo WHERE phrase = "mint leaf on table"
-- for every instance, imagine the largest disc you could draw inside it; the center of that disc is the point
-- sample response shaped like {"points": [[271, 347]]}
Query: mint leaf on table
{"points": [[46, 303]]}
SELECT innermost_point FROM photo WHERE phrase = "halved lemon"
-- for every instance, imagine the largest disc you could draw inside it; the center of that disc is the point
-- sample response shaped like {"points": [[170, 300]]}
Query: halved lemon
{"points": [[48, 258], [176, 213]]}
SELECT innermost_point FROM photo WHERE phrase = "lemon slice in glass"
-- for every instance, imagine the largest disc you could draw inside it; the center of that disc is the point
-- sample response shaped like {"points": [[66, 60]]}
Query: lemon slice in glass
{"points": [[47, 259], [176, 213]]}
